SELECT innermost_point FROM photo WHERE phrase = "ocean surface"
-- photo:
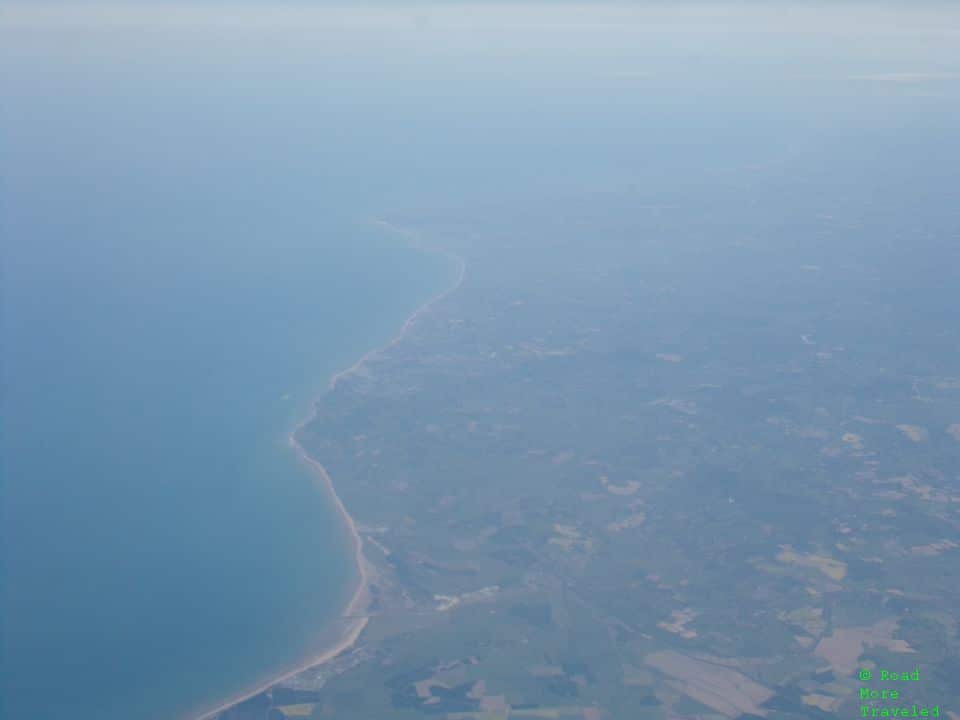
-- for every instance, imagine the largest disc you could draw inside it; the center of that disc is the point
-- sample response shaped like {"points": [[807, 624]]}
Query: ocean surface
{"points": [[176, 290]]}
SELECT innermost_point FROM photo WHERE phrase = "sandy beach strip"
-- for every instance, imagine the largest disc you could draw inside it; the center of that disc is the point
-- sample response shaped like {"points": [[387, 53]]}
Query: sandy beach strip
{"points": [[348, 640], [356, 610]]}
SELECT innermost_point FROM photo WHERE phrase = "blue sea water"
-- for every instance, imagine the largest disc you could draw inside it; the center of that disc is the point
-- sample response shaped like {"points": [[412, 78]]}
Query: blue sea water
{"points": [[179, 281], [161, 531]]}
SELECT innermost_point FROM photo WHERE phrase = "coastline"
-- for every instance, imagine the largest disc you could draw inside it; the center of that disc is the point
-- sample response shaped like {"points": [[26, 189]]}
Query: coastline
{"points": [[355, 611]]}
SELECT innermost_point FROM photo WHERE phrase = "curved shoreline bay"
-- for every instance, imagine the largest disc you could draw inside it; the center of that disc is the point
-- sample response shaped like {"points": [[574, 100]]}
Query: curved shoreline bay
{"points": [[193, 544], [356, 612]]}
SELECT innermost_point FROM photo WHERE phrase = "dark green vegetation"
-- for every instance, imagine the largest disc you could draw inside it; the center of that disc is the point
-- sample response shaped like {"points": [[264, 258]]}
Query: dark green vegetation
{"points": [[661, 457]]}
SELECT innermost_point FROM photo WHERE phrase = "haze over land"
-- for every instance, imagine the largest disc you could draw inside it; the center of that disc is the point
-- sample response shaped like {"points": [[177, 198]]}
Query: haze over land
{"points": [[679, 437]]}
